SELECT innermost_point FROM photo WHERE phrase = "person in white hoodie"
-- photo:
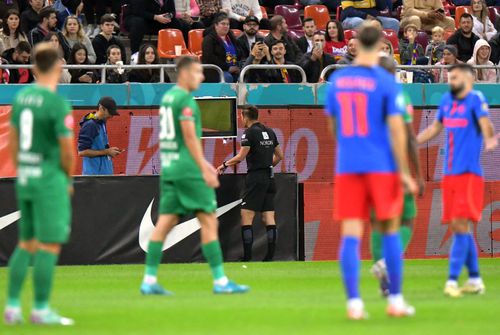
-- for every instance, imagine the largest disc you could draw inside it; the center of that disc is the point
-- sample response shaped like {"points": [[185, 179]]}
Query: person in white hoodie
{"points": [[238, 10], [481, 56], [482, 24]]}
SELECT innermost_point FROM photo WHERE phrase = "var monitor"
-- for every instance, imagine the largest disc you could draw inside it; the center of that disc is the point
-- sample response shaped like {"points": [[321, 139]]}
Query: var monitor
{"points": [[218, 116]]}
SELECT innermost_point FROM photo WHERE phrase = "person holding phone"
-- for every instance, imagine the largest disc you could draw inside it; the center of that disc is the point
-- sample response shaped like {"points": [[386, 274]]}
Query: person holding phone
{"points": [[93, 144], [188, 13], [249, 37], [426, 15], [315, 61], [259, 54]]}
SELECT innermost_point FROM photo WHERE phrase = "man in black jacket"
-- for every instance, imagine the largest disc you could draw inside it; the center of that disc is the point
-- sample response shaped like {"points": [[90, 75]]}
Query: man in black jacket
{"points": [[315, 61], [48, 23], [149, 17], [29, 17], [279, 32], [495, 49], [249, 37], [464, 39], [105, 39], [19, 55], [285, 76], [305, 43]]}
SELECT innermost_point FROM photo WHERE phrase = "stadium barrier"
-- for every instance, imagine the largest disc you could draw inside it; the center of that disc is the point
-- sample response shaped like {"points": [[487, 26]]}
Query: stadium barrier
{"points": [[113, 218], [270, 67]]}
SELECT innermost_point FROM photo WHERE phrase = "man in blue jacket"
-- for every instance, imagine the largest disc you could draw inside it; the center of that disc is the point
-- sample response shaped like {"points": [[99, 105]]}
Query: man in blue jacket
{"points": [[93, 141]]}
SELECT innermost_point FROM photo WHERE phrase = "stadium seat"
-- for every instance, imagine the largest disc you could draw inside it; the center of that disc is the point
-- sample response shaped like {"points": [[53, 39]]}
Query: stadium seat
{"points": [[319, 13], [339, 12], [123, 13], [448, 7], [264, 32], [448, 33], [297, 5], [295, 34], [348, 34], [291, 15], [167, 40], [422, 39], [195, 41], [264, 12], [459, 11], [397, 58], [494, 13], [392, 37], [236, 32]]}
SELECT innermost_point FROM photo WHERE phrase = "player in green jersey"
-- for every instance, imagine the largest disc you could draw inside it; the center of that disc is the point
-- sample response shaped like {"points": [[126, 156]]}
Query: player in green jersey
{"points": [[41, 139], [409, 205], [187, 181]]}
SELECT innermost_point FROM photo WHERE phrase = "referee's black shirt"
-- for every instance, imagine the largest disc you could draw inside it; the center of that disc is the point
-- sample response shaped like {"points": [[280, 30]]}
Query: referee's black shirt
{"points": [[262, 141]]}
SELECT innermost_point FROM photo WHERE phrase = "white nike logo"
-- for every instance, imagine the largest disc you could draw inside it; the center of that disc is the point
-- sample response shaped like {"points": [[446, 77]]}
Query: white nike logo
{"points": [[180, 231], [9, 219]]}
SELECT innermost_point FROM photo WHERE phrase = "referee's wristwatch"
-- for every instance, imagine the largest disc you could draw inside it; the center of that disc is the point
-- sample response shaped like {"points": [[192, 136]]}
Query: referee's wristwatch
{"points": [[224, 165]]}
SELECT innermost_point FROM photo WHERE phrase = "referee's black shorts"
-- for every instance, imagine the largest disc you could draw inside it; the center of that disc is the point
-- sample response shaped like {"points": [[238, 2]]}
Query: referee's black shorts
{"points": [[259, 192]]}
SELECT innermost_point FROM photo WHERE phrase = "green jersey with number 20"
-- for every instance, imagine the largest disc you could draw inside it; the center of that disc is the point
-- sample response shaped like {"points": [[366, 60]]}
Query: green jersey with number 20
{"points": [[40, 117], [176, 161]]}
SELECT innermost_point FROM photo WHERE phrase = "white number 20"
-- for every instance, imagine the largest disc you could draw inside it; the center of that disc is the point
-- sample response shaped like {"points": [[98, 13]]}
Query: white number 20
{"points": [[26, 129], [167, 127]]}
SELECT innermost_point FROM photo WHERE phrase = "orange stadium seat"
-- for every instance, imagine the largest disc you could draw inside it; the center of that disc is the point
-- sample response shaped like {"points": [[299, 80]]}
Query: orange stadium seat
{"points": [[459, 11], [264, 12], [319, 13], [167, 40], [236, 32], [447, 34], [392, 37], [264, 32], [195, 41], [348, 34]]}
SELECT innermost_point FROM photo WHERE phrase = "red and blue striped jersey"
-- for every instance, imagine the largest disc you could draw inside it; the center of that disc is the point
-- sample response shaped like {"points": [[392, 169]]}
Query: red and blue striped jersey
{"points": [[464, 139]]}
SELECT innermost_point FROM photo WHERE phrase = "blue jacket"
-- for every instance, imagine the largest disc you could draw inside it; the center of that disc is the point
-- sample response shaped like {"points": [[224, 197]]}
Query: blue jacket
{"points": [[93, 136]]}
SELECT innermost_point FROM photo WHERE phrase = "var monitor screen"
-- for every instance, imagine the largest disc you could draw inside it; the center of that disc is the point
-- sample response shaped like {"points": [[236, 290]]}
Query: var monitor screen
{"points": [[218, 116]]}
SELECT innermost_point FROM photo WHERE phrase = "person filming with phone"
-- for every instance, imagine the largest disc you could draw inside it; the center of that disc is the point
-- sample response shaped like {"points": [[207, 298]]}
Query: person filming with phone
{"points": [[93, 144], [315, 61]]}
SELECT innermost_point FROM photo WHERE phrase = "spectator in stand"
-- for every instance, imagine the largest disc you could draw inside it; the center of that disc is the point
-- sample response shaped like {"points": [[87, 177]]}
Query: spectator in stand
{"points": [[105, 39], [434, 50], [274, 3], [305, 43], [149, 17], [409, 49], [79, 56], [464, 39], [208, 10], [53, 39], [482, 24], [115, 76], [12, 33], [335, 43], [74, 6], [332, 5], [386, 47], [481, 56], [249, 37], [30, 18], [315, 61], [354, 12], [94, 10], [352, 51], [7, 5], [450, 54], [48, 24], [260, 54], [279, 32], [495, 49], [188, 14], [426, 14], [19, 55], [147, 56], [285, 76], [220, 48], [238, 10], [73, 33]]}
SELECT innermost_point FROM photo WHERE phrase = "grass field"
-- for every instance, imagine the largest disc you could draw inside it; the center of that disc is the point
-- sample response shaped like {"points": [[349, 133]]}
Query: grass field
{"points": [[286, 298]]}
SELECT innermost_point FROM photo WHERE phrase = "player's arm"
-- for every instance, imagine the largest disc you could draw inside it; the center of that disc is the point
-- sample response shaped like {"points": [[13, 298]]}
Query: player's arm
{"points": [[13, 144], [414, 157], [278, 155], [193, 144], [488, 131], [66, 157], [430, 132], [399, 148]]}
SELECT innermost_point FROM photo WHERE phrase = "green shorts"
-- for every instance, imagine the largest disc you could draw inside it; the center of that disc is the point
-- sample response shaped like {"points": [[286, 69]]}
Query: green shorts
{"points": [[46, 218], [409, 207], [186, 196]]}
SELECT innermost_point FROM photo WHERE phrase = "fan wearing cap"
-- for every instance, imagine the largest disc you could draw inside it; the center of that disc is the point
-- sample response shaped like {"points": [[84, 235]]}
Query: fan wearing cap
{"points": [[238, 10], [93, 144], [250, 36]]}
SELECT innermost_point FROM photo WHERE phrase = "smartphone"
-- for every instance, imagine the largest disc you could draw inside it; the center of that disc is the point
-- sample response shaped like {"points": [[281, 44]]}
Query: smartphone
{"points": [[441, 10], [317, 45], [168, 15], [195, 18], [90, 73]]}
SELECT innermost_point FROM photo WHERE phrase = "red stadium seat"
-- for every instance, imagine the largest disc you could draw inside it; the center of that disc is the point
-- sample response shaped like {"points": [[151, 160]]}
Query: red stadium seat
{"points": [[319, 13], [348, 34], [298, 5], [264, 12], [195, 41], [448, 33], [392, 37], [339, 12], [264, 32], [291, 15], [459, 11], [167, 40], [422, 39], [295, 34], [236, 32], [494, 13]]}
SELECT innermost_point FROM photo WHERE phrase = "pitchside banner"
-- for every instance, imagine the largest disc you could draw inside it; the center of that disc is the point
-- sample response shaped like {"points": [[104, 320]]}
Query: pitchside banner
{"points": [[309, 151], [113, 218]]}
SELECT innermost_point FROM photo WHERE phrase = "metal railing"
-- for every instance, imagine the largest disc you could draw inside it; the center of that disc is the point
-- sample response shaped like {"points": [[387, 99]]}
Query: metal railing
{"points": [[106, 67], [416, 67], [270, 67]]}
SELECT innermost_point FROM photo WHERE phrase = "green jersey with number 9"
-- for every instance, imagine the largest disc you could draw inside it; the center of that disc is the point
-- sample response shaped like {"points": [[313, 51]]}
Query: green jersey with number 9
{"points": [[176, 161], [40, 117]]}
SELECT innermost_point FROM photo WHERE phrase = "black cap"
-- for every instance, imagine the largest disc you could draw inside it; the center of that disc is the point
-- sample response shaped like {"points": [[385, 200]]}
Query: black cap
{"points": [[110, 104], [252, 18]]}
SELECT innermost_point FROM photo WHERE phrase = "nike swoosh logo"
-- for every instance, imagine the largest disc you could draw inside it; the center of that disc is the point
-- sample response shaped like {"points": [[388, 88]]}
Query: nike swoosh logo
{"points": [[9, 219], [180, 231]]}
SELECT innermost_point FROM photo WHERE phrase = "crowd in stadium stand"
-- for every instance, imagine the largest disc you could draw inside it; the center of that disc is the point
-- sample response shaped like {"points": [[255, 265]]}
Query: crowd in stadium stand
{"points": [[233, 34]]}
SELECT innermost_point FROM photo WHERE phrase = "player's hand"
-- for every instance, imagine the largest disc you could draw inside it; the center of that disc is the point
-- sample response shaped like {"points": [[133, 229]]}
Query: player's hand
{"points": [[491, 143], [421, 187], [409, 183], [210, 176], [113, 152]]}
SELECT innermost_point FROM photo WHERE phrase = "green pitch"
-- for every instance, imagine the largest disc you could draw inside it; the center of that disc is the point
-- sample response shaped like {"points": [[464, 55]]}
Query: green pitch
{"points": [[286, 298]]}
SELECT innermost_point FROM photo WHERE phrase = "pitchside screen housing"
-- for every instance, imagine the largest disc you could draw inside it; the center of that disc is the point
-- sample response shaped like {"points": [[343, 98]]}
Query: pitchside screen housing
{"points": [[218, 116]]}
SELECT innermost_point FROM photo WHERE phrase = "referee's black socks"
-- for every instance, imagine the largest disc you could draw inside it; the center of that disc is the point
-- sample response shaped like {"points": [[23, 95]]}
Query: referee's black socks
{"points": [[247, 237], [272, 234]]}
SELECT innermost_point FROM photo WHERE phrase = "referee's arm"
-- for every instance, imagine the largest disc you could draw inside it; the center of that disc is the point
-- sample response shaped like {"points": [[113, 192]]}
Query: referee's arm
{"points": [[278, 155], [235, 160]]}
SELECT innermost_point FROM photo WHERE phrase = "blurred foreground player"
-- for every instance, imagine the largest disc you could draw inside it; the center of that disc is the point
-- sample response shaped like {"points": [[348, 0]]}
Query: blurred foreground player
{"points": [[366, 107], [41, 140], [463, 113], [261, 149], [379, 268], [187, 181]]}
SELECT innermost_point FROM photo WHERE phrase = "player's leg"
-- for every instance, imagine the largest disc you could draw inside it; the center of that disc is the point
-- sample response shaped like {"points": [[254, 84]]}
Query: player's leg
{"points": [[458, 255], [378, 269], [212, 252], [19, 263], [247, 217], [154, 255], [272, 234]]}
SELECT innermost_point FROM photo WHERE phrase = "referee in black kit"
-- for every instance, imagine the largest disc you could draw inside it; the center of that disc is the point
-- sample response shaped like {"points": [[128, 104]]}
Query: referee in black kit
{"points": [[260, 148]]}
